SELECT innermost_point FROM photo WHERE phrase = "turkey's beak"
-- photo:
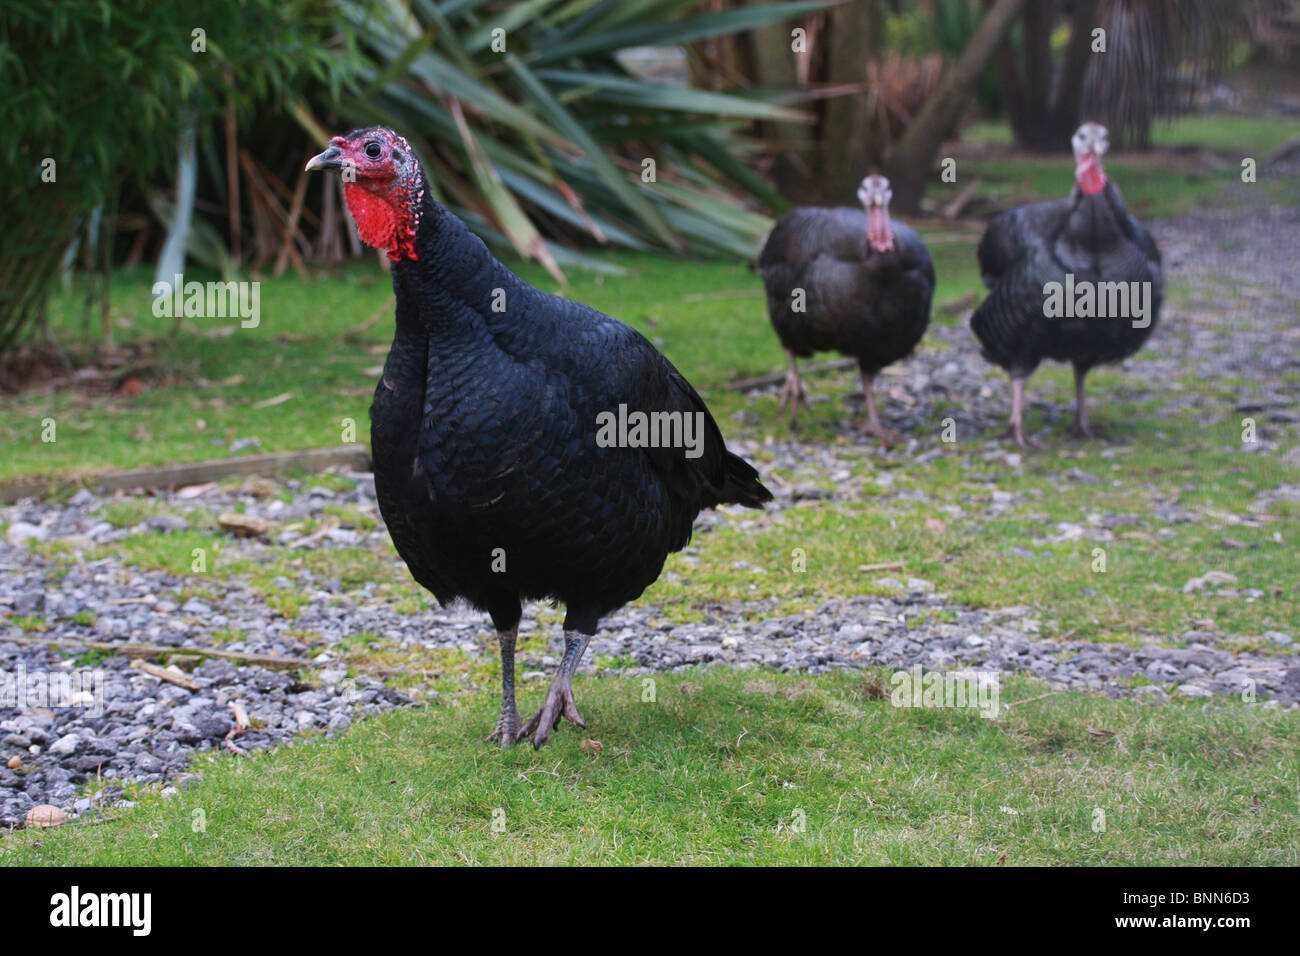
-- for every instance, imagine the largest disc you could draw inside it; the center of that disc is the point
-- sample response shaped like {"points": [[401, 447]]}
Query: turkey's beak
{"points": [[326, 160]]}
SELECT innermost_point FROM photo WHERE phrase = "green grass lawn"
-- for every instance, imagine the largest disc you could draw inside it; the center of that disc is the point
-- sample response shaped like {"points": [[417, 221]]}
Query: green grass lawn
{"points": [[202, 389], [320, 339], [737, 768], [1138, 598], [1158, 182], [709, 318], [1248, 135]]}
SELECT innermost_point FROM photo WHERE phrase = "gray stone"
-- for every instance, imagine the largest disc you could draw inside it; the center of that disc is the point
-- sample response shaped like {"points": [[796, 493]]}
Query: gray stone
{"points": [[67, 744], [1208, 578], [20, 532], [167, 523]]}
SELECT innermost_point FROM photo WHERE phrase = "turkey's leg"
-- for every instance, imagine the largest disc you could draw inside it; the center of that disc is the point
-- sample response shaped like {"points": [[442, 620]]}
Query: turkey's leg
{"points": [[507, 732], [1016, 426], [1081, 428], [873, 425], [559, 698], [792, 392]]}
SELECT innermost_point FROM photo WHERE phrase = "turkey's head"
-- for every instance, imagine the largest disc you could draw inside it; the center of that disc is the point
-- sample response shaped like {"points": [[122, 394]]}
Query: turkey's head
{"points": [[1090, 145], [383, 186], [874, 194]]}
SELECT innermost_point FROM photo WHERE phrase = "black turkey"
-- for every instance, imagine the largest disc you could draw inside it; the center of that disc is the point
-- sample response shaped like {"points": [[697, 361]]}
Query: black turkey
{"points": [[849, 281], [1076, 280], [510, 461]]}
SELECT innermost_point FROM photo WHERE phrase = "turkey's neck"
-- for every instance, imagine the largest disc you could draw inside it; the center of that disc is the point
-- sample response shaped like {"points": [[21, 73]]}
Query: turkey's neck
{"points": [[1088, 174], [399, 398], [408, 357], [1096, 223], [387, 213], [880, 238]]}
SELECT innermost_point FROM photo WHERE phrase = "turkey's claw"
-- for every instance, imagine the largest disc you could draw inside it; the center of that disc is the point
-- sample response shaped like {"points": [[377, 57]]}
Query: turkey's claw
{"points": [[888, 436], [792, 394], [1016, 430], [559, 703], [559, 697], [1095, 432]]}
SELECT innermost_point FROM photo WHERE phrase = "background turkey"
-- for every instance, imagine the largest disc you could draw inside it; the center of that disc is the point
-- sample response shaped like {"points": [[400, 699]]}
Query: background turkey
{"points": [[484, 429], [1090, 237], [854, 282]]}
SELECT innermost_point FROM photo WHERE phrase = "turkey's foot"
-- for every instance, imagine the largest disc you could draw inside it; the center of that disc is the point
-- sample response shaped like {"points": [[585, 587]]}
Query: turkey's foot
{"points": [[559, 703], [1082, 430], [1016, 430], [507, 733], [1016, 423], [792, 394], [888, 436]]}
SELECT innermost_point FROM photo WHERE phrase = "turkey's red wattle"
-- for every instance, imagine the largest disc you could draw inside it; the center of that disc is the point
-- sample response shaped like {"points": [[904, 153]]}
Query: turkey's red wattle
{"points": [[1089, 175], [380, 222], [879, 236]]}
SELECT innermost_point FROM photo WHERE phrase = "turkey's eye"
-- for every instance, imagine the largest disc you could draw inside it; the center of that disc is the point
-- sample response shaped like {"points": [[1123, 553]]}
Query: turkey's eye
{"points": [[373, 150]]}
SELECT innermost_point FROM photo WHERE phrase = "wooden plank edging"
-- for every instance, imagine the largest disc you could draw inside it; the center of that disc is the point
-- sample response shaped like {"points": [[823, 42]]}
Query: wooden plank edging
{"points": [[165, 477]]}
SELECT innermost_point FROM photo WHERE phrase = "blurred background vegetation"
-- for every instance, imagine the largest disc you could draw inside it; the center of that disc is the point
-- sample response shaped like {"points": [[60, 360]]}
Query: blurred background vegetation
{"points": [[154, 135]]}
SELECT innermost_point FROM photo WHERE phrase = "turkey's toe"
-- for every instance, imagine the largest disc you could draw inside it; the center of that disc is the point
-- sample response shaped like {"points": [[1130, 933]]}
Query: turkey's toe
{"points": [[559, 703], [508, 732], [1095, 432], [1017, 431], [888, 436], [792, 395]]}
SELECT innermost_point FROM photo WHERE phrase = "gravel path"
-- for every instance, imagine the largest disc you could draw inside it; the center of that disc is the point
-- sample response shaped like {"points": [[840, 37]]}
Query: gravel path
{"points": [[148, 729]]}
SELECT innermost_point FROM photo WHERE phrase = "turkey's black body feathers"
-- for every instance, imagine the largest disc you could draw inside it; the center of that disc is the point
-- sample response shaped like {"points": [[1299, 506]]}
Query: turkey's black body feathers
{"points": [[872, 306], [1091, 237], [483, 430]]}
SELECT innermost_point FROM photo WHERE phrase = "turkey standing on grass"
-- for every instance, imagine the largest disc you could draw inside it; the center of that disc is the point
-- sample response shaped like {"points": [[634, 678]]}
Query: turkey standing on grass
{"points": [[484, 431], [1084, 241], [855, 282]]}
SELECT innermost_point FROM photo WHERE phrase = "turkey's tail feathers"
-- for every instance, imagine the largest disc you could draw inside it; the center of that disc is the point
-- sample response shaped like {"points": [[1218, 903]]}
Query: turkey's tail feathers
{"points": [[741, 485]]}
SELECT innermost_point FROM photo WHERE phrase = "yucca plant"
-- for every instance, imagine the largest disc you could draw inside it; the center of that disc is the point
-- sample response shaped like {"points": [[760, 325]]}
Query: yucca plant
{"points": [[532, 127]]}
